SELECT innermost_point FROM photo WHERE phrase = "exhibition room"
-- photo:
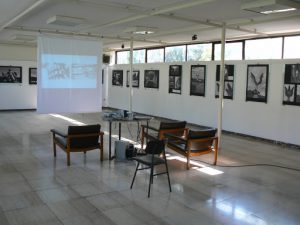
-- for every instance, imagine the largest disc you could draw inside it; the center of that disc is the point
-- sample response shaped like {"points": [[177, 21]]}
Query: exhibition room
{"points": [[129, 112]]}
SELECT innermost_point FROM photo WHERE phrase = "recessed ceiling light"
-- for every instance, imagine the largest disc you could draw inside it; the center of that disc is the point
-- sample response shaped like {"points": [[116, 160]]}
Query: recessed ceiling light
{"points": [[278, 11]]}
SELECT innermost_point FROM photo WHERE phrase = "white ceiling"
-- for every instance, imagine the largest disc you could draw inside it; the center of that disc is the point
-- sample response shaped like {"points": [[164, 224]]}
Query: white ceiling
{"points": [[175, 20]]}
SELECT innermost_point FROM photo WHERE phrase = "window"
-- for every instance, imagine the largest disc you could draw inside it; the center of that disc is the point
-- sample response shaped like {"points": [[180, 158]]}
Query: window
{"points": [[199, 52], [291, 47], [233, 51], [267, 48], [139, 56], [155, 55], [175, 53], [123, 57]]}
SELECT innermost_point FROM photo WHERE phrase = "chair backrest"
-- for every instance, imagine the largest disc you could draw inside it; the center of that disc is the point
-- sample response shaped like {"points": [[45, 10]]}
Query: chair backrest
{"points": [[172, 125], [155, 147], [84, 142], [201, 134]]}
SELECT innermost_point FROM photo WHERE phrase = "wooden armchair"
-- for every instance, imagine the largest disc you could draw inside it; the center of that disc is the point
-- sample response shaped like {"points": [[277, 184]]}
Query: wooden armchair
{"points": [[195, 143], [79, 139], [177, 128]]}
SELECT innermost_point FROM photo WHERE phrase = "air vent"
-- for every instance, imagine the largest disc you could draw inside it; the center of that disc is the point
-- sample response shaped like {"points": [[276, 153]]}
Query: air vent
{"points": [[65, 21], [270, 6]]}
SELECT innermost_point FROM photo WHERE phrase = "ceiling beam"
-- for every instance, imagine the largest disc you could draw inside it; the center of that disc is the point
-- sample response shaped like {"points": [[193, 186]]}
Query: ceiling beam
{"points": [[23, 13], [152, 12], [90, 35]]}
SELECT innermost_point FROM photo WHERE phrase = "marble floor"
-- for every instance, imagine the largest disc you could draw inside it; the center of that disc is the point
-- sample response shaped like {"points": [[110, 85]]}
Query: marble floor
{"points": [[37, 189]]}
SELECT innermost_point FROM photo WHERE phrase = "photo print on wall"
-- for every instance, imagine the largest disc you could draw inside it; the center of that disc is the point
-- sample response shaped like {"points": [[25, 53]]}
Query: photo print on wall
{"points": [[135, 78], [151, 79], [228, 81], [198, 73], [291, 87], [117, 77], [257, 83], [32, 76], [10, 74], [175, 73]]}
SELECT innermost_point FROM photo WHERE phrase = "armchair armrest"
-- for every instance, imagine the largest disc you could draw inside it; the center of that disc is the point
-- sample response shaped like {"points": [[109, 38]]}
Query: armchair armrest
{"points": [[149, 127], [170, 135], [56, 132], [204, 139]]}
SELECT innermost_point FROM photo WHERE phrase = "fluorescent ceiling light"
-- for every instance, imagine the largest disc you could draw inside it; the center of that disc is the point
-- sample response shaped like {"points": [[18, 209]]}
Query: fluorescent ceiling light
{"points": [[22, 37], [65, 21], [270, 6], [278, 11], [140, 30]]}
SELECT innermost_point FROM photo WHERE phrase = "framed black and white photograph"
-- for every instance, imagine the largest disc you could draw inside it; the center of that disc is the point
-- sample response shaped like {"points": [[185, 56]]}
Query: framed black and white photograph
{"points": [[151, 79], [10, 74], [291, 87], [257, 83], [32, 75], [228, 81], [198, 74], [135, 78], [117, 77], [175, 72]]}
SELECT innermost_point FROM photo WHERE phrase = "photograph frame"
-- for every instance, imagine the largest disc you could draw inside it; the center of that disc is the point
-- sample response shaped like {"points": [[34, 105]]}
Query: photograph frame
{"points": [[198, 80], [175, 79], [117, 78], [135, 78], [32, 75], [228, 91], [257, 82], [291, 86], [151, 79], [11, 74]]}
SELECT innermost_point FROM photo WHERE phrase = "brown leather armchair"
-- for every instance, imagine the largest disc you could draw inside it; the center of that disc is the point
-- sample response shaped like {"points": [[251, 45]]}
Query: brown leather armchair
{"points": [[195, 143], [177, 128], [79, 139]]}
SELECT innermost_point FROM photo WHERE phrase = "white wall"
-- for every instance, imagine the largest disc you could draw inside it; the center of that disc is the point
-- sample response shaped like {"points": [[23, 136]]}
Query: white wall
{"points": [[18, 96], [270, 120]]}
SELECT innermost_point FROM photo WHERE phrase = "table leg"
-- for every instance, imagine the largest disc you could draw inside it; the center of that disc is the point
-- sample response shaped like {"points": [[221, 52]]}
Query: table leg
{"points": [[109, 144], [119, 130]]}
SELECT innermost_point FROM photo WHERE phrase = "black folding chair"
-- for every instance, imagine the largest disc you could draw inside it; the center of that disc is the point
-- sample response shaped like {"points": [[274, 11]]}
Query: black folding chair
{"points": [[155, 155]]}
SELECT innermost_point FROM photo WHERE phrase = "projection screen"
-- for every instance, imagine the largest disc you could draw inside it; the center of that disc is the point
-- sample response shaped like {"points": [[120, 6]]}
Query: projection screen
{"points": [[69, 75]]}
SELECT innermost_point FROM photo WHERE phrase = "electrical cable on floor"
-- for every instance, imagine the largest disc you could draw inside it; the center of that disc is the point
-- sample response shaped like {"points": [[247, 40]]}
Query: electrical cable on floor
{"points": [[249, 165]]}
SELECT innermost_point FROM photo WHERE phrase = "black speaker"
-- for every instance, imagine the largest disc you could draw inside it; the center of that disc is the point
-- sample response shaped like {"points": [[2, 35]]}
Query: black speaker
{"points": [[106, 59]]}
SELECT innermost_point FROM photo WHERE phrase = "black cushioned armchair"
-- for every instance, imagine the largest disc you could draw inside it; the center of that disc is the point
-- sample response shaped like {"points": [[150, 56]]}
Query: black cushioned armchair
{"points": [[177, 128], [79, 139], [194, 143]]}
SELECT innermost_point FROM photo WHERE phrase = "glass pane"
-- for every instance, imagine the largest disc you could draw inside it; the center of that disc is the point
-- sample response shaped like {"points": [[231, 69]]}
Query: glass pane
{"points": [[139, 56], [199, 52], [267, 48], [155, 55], [123, 57], [291, 47], [233, 51], [175, 54]]}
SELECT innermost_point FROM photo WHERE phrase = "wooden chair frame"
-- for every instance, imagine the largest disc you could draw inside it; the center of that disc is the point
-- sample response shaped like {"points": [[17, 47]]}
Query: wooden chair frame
{"points": [[188, 153], [68, 148]]}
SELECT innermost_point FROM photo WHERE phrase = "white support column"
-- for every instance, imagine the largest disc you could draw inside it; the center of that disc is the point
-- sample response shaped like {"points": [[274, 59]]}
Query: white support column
{"points": [[221, 90], [130, 75]]}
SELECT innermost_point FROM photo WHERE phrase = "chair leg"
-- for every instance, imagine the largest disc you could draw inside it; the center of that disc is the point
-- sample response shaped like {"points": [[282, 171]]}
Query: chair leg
{"points": [[142, 138], [68, 159], [188, 162], [136, 169], [150, 181], [101, 147], [54, 149], [167, 169]]}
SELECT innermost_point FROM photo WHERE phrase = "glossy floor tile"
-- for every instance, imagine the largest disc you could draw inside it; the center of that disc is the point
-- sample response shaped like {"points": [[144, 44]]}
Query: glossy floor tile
{"points": [[38, 189]]}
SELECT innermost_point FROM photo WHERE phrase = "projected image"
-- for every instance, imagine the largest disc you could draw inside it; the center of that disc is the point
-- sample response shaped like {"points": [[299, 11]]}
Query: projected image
{"points": [[66, 71], [10, 74]]}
